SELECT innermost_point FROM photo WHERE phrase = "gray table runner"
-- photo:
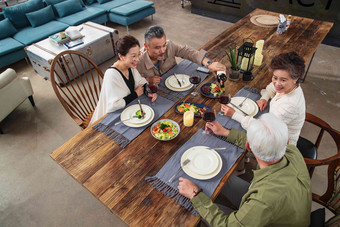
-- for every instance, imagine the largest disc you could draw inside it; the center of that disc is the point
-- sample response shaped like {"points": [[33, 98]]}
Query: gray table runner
{"points": [[229, 157], [123, 134], [184, 67]]}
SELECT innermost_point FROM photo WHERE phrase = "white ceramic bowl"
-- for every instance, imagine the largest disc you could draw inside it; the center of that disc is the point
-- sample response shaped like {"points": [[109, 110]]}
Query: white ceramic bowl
{"points": [[164, 120]]}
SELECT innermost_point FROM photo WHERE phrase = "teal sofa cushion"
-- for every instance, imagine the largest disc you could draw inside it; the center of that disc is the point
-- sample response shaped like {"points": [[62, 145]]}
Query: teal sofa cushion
{"points": [[131, 8], [12, 57], [2, 15], [87, 14], [17, 13], [68, 7], [127, 20], [29, 35], [41, 16], [89, 2], [9, 45], [103, 1], [53, 2], [6, 29], [111, 4]]}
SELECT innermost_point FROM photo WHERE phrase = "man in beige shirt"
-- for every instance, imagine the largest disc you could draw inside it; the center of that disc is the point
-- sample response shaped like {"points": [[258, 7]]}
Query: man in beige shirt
{"points": [[158, 56]]}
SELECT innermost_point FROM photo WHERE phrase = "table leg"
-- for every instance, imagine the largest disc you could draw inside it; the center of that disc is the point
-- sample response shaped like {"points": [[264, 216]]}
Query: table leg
{"points": [[310, 62], [182, 3]]}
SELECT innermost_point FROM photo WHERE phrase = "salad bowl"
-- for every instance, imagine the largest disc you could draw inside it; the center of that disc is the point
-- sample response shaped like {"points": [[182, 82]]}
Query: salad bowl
{"points": [[165, 129]]}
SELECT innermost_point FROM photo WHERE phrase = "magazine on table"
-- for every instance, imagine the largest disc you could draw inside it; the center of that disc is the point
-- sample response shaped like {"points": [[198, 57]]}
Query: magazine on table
{"points": [[73, 43]]}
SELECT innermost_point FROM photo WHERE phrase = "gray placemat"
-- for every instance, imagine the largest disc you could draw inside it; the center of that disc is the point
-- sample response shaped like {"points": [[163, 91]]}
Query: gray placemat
{"points": [[184, 67], [229, 156], [123, 134]]}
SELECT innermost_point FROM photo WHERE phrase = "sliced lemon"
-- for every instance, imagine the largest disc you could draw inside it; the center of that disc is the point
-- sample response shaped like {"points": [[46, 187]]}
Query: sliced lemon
{"points": [[192, 109]]}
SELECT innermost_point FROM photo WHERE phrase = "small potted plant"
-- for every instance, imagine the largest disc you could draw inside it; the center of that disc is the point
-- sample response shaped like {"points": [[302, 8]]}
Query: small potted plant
{"points": [[234, 72]]}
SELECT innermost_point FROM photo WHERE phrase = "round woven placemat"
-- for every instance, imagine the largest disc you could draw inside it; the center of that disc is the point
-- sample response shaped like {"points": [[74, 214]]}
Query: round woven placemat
{"points": [[265, 20]]}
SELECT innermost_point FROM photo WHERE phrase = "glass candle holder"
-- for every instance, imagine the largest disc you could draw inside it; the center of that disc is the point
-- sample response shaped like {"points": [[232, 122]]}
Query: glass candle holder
{"points": [[188, 118]]}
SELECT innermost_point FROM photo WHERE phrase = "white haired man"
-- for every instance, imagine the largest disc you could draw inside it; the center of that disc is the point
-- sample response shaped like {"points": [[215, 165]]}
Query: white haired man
{"points": [[158, 55], [280, 193]]}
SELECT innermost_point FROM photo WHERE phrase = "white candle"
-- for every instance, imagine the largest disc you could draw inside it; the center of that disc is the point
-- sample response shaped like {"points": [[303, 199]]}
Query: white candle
{"points": [[188, 118], [258, 59], [244, 63], [259, 45]]}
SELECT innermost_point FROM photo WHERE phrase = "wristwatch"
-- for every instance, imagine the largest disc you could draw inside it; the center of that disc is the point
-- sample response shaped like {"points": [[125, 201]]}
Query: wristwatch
{"points": [[208, 63]]}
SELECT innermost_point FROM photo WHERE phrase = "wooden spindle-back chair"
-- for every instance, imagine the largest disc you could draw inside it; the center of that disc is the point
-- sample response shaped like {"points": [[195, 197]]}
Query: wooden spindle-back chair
{"points": [[306, 147], [331, 198], [76, 80]]}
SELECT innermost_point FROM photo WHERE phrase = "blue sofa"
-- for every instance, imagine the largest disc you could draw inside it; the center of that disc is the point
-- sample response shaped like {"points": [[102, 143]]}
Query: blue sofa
{"points": [[29, 22]]}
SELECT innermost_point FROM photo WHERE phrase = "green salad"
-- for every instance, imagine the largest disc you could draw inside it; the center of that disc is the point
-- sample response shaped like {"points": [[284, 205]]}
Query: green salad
{"points": [[165, 130], [139, 114], [184, 107], [216, 89]]}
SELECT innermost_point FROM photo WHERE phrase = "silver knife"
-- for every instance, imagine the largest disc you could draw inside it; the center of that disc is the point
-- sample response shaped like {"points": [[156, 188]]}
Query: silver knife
{"points": [[177, 80], [141, 109], [238, 108]]}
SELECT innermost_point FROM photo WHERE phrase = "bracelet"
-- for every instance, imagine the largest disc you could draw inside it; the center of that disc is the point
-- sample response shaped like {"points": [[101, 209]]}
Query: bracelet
{"points": [[196, 193]]}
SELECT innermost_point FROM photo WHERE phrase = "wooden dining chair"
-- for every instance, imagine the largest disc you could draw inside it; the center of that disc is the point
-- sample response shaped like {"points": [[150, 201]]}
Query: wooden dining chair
{"points": [[309, 149], [76, 80], [331, 198]]}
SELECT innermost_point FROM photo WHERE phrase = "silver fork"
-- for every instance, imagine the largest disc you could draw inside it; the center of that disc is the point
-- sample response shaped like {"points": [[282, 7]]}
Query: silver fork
{"points": [[117, 123], [183, 80], [218, 148], [186, 161], [241, 104]]}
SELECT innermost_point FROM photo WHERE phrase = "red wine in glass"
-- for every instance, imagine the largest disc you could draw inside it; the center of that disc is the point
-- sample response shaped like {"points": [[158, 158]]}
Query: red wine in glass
{"points": [[152, 88], [223, 99], [195, 79], [209, 116]]}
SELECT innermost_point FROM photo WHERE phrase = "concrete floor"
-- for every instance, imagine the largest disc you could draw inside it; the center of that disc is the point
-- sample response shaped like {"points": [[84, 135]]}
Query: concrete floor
{"points": [[36, 191]]}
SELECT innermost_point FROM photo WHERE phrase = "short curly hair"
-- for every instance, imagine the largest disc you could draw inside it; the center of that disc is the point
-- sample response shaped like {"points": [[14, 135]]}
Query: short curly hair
{"points": [[290, 62], [125, 43]]}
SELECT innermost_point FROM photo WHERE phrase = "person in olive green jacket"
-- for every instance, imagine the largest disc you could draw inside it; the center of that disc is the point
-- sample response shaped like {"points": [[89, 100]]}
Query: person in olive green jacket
{"points": [[280, 192]]}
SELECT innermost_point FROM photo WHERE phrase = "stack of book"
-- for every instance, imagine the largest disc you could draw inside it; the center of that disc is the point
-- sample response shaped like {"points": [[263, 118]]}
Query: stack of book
{"points": [[56, 39], [73, 33]]}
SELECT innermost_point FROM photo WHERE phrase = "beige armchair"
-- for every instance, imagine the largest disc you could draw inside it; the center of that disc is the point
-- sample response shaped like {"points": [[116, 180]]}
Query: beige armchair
{"points": [[13, 91]]}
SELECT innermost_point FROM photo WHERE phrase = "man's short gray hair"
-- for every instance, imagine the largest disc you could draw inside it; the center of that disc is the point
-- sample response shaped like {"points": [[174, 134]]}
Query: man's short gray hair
{"points": [[268, 137], [153, 31]]}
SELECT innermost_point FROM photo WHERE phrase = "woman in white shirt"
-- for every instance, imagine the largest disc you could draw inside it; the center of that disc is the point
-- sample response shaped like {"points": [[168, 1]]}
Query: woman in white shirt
{"points": [[122, 82], [287, 99]]}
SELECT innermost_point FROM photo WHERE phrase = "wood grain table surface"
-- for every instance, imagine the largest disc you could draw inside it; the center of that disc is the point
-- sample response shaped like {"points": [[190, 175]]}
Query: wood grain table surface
{"points": [[116, 176]]}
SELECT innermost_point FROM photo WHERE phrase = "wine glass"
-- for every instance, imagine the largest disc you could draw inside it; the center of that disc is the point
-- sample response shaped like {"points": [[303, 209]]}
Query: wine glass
{"points": [[194, 79], [209, 116], [152, 88], [223, 99]]}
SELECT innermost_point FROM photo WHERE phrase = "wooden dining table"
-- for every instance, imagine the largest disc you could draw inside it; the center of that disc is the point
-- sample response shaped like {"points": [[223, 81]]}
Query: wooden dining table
{"points": [[116, 176]]}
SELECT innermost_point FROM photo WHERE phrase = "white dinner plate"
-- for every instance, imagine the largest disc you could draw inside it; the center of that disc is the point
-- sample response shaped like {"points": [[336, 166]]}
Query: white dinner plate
{"points": [[135, 122], [176, 89], [183, 79], [203, 161], [249, 106], [188, 169]]}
